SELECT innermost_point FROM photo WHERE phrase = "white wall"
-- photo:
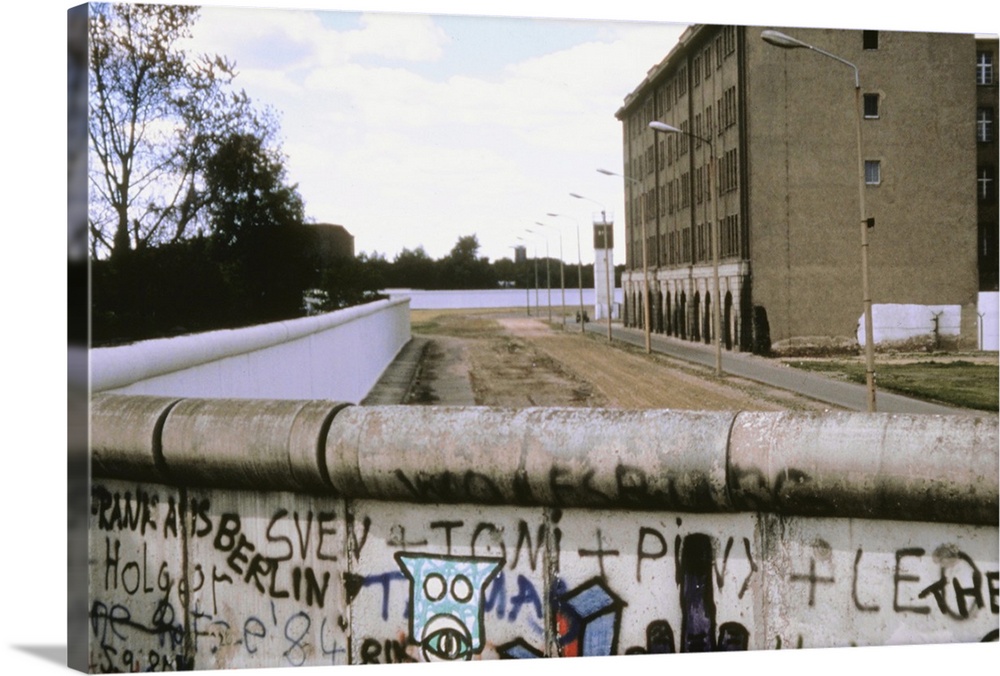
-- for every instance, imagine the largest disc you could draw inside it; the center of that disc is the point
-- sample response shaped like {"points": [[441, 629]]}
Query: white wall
{"points": [[989, 326], [338, 355], [898, 323], [495, 298]]}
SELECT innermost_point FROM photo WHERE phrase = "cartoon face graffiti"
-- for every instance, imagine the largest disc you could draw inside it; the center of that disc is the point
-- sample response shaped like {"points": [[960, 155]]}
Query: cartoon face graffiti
{"points": [[446, 602]]}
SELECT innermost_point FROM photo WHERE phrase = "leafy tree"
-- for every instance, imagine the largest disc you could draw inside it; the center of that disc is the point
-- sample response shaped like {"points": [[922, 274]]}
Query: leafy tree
{"points": [[155, 115], [256, 221], [463, 269], [413, 269], [352, 281]]}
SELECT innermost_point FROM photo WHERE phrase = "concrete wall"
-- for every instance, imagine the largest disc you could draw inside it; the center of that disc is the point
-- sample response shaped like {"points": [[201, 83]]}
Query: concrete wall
{"points": [[282, 533], [988, 311], [339, 355], [497, 298], [914, 326]]}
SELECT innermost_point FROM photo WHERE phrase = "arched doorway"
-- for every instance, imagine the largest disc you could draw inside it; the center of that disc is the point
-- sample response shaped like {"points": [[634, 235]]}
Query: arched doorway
{"points": [[696, 317], [706, 323], [658, 310], [727, 321], [668, 317], [682, 316]]}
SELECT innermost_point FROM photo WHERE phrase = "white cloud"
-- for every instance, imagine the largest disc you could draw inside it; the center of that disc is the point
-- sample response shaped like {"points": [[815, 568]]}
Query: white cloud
{"points": [[404, 159], [396, 37]]}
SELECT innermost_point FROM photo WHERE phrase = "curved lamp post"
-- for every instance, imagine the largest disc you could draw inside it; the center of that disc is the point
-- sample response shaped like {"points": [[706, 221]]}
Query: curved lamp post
{"points": [[717, 304], [579, 265], [645, 262], [779, 39], [607, 262]]}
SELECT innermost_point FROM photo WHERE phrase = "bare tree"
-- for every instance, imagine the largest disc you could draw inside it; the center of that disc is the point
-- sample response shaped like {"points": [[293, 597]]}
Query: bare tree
{"points": [[156, 114]]}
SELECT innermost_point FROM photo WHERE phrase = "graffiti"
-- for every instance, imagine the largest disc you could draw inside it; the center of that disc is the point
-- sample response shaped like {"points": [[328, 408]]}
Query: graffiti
{"points": [[389, 651], [496, 600], [823, 552], [587, 620], [598, 553], [182, 580], [960, 588], [446, 603], [115, 624]]}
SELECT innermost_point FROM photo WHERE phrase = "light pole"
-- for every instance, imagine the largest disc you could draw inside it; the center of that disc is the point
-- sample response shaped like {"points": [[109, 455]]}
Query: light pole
{"points": [[548, 276], [607, 262], [645, 261], [717, 302], [579, 265], [779, 39], [534, 244], [562, 271], [527, 280]]}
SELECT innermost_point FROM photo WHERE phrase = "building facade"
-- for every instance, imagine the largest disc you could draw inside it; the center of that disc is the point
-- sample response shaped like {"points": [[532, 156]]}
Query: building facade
{"points": [[768, 157], [987, 151]]}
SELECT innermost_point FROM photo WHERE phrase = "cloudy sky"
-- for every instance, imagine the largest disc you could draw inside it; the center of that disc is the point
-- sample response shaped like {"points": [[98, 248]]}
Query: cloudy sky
{"points": [[413, 130]]}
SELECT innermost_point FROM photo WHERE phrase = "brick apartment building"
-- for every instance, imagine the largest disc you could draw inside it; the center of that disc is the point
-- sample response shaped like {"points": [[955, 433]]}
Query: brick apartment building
{"points": [[783, 127]]}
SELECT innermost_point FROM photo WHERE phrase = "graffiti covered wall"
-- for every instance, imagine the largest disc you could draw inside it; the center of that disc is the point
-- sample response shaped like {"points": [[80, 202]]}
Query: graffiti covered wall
{"points": [[199, 574], [221, 579]]}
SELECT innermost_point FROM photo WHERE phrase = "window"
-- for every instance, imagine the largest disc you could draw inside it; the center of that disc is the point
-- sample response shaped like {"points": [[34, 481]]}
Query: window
{"points": [[869, 39], [871, 105], [984, 125], [984, 68], [727, 109], [729, 39], [708, 62], [873, 172], [985, 182]]}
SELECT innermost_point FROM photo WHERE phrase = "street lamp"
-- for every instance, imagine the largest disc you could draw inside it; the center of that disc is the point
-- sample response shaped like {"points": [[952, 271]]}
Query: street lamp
{"points": [[779, 39], [645, 262], [527, 281], [607, 263], [579, 265], [562, 271], [664, 128], [534, 244], [548, 277]]}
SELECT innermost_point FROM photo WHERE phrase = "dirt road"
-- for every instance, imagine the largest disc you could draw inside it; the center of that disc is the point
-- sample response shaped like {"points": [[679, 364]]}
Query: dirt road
{"points": [[519, 361]]}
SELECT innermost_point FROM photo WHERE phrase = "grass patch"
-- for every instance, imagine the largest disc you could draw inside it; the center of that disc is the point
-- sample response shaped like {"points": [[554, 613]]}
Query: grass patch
{"points": [[450, 323], [959, 383]]}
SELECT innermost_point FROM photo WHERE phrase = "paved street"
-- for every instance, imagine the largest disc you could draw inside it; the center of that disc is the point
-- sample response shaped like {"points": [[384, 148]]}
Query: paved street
{"points": [[846, 395]]}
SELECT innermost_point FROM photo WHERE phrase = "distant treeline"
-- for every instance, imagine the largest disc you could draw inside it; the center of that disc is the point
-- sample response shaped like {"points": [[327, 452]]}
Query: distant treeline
{"points": [[203, 283]]}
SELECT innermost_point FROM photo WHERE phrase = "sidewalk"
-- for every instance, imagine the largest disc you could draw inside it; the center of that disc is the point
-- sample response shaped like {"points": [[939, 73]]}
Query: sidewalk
{"points": [[770, 372]]}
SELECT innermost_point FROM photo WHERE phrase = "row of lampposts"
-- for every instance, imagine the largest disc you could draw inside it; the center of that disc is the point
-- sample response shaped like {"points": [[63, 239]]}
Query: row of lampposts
{"points": [[777, 39]]}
